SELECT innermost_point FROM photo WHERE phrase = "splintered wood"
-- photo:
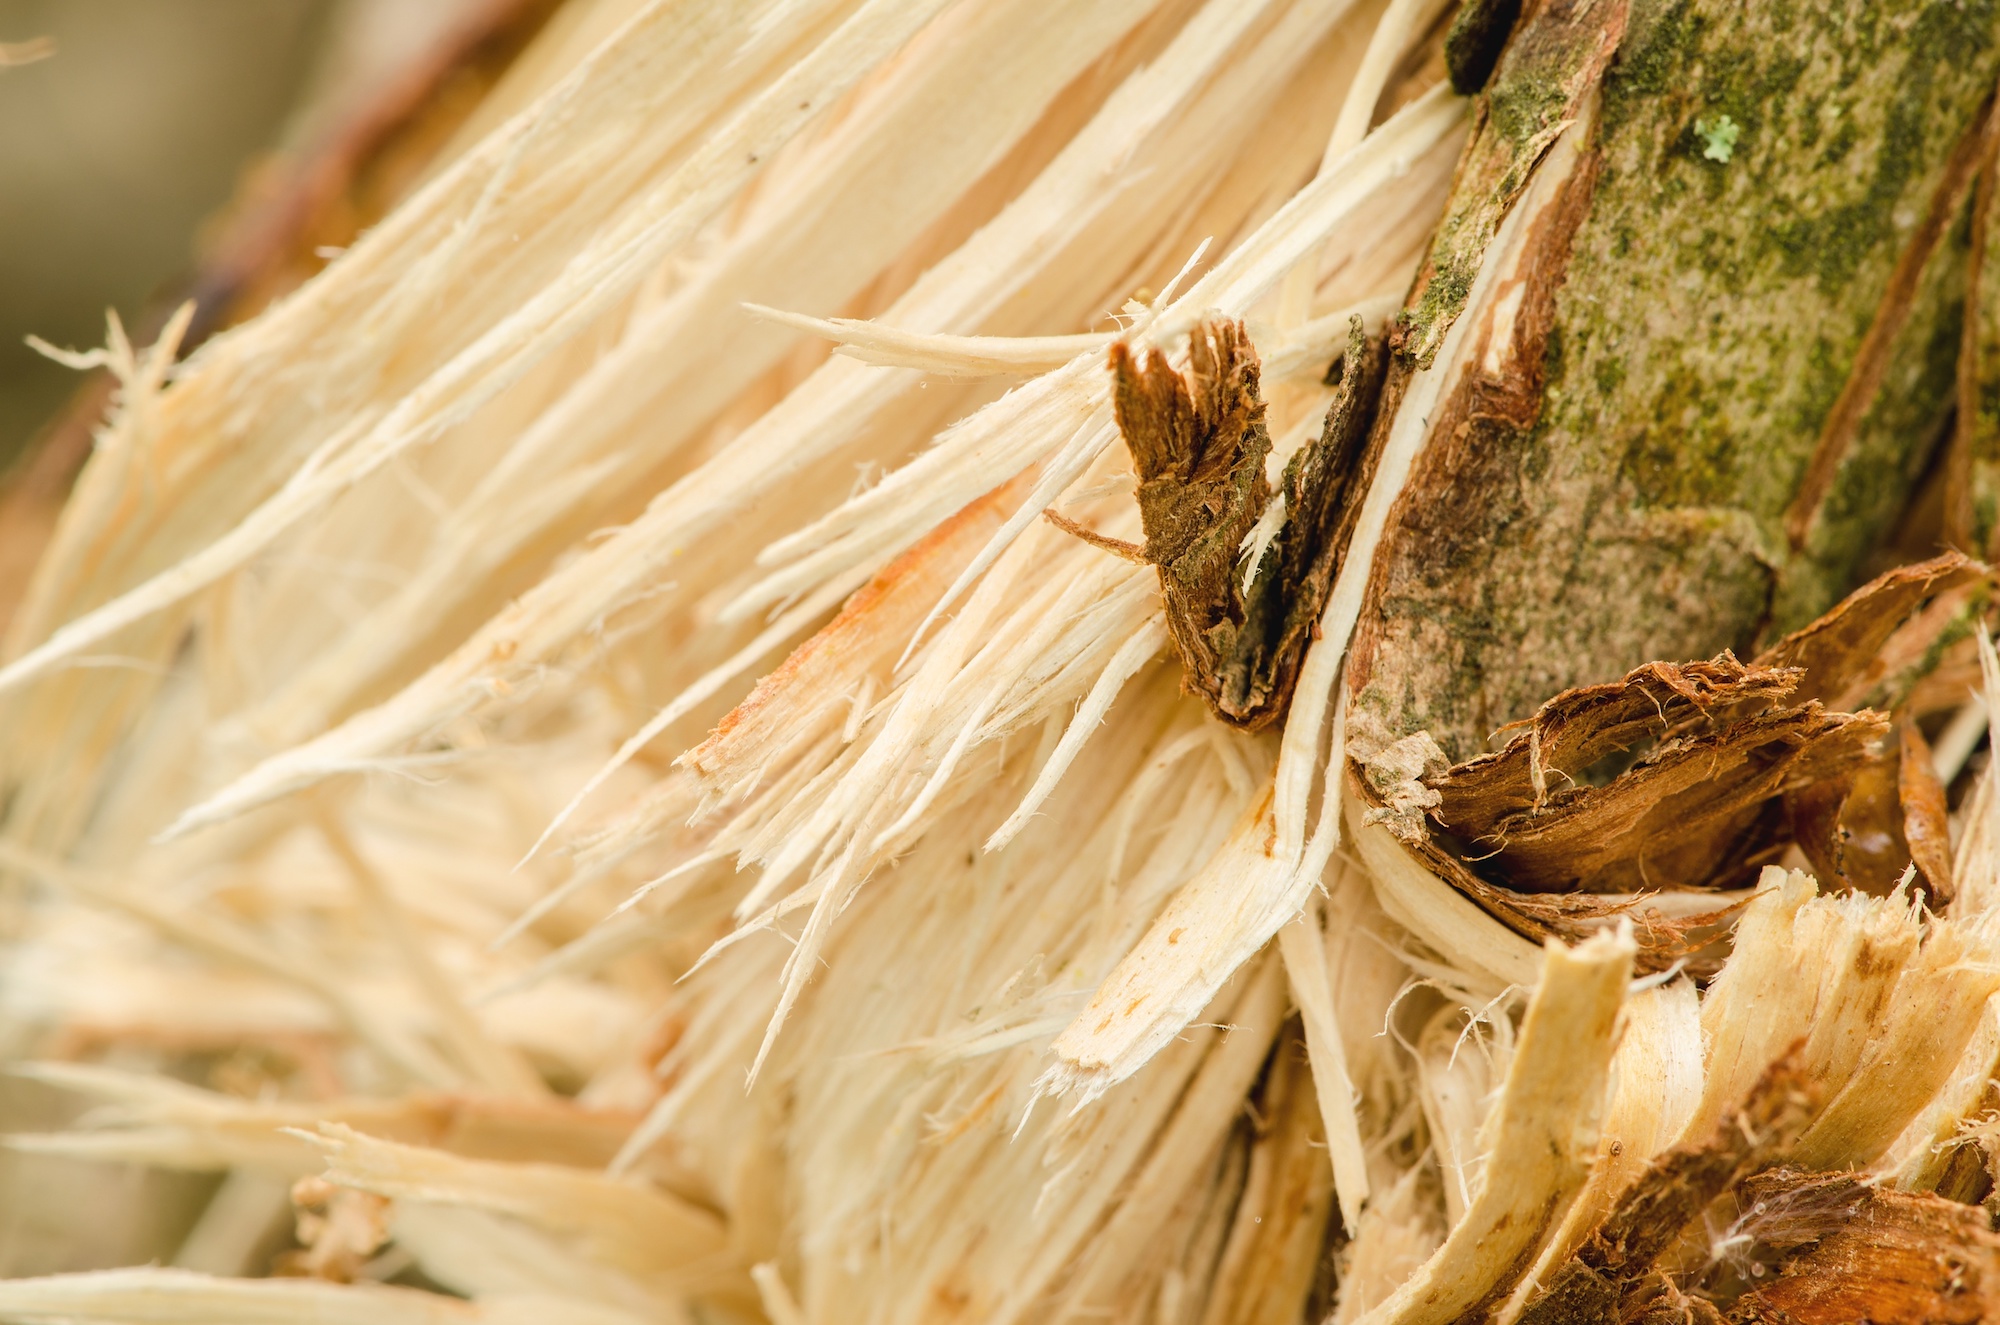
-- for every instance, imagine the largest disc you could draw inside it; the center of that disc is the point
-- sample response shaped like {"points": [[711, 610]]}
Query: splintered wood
{"points": [[1030, 660]]}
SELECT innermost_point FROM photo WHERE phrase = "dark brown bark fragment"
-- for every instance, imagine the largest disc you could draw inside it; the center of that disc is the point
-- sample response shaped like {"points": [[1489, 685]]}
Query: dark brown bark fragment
{"points": [[1736, 770], [1850, 825], [1926, 816], [1966, 1175], [1863, 827], [1199, 446], [1700, 809], [1321, 486], [1393, 782], [1579, 727]]}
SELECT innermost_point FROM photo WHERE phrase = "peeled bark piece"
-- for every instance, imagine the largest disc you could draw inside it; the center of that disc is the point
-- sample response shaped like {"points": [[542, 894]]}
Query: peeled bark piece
{"points": [[1662, 939], [1850, 1252], [1731, 779], [1698, 812], [1698, 809], [1737, 221], [1388, 782], [1850, 825], [1863, 827], [1199, 445], [1575, 729], [1320, 486], [1840, 654], [1614, 1266], [1841, 659]]}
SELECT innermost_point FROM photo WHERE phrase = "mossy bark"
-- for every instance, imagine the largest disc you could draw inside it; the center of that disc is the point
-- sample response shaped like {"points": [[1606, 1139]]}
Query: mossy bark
{"points": [[1742, 350], [1972, 491]]}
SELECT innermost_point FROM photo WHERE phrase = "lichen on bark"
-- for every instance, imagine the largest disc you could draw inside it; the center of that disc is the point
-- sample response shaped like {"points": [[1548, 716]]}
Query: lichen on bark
{"points": [[1707, 317]]}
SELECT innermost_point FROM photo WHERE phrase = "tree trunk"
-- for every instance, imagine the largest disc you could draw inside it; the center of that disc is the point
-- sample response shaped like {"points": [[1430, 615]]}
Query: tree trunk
{"points": [[1729, 362]]}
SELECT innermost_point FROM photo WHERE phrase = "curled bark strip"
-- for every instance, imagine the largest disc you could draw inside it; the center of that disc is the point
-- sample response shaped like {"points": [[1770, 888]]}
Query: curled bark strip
{"points": [[1889, 643], [1700, 809], [1739, 766], [1612, 1273], [1393, 783], [1662, 939], [1581, 726], [1845, 1251], [1839, 651], [1518, 833]]}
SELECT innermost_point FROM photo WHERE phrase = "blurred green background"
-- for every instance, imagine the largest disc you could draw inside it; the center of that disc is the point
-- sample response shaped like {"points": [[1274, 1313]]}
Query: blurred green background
{"points": [[114, 149]]}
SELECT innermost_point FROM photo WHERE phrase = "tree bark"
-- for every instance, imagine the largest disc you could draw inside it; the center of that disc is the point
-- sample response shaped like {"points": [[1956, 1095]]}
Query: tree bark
{"points": [[1726, 352]]}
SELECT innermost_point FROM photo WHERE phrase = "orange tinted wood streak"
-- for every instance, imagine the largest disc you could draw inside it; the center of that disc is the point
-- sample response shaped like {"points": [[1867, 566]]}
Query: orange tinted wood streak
{"points": [[898, 595]]}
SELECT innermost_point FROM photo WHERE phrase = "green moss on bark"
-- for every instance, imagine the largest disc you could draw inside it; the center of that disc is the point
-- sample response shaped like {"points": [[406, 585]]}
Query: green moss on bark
{"points": [[1709, 316]]}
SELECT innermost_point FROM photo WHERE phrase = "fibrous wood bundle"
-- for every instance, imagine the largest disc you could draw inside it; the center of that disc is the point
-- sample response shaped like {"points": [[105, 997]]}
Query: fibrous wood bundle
{"points": [[1002, 660]]}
